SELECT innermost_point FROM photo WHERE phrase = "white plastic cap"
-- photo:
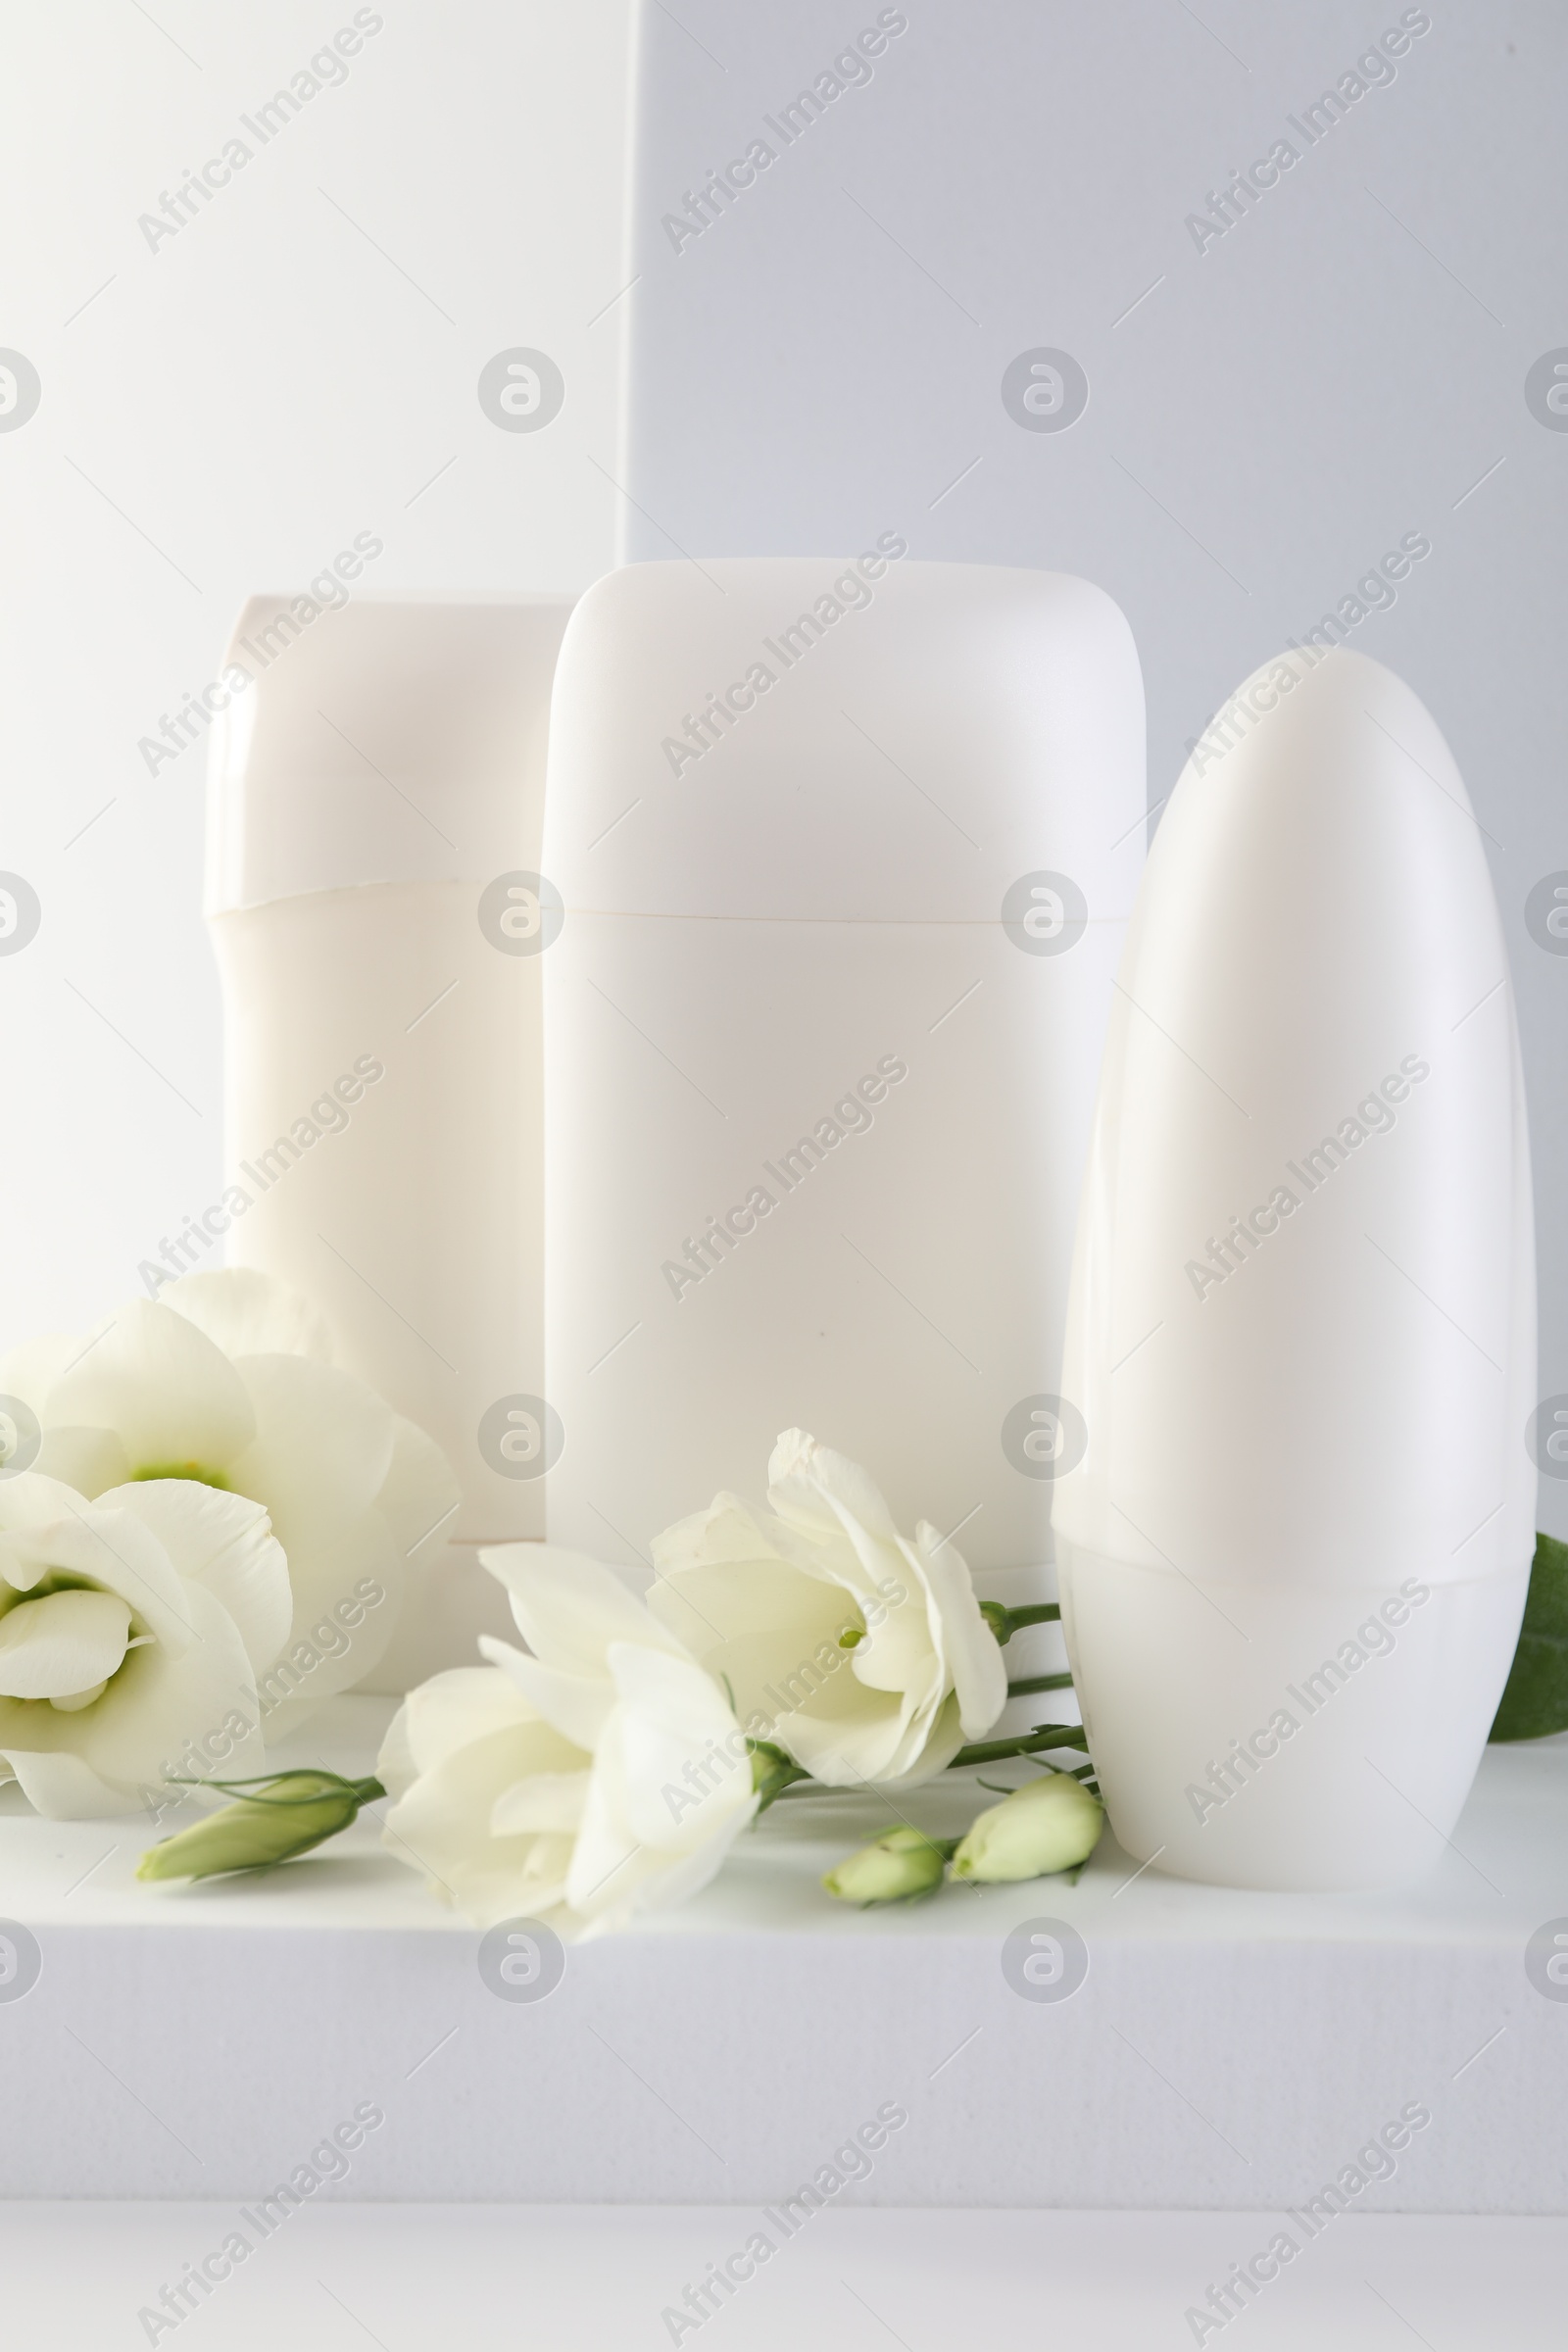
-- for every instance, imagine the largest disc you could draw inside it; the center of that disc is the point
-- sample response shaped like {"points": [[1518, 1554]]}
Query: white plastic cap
{"points": [[1300, 1332], [377, 743], [859, 738]]}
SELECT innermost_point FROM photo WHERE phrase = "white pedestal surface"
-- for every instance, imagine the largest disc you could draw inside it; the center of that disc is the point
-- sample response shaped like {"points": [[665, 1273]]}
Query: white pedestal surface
{"points": [[1227, 2051]]}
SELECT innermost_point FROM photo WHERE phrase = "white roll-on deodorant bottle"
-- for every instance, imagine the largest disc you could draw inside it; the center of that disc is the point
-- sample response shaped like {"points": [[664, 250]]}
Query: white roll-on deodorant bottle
{"points": [[1295, 1550], [375, 802], [845, 848]]}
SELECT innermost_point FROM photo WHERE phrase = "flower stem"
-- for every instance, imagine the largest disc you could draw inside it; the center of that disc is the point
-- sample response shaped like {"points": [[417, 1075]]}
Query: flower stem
{"points": [[266, 1785], [1005, 1622], [1040, 1681], [1044, 1736]]}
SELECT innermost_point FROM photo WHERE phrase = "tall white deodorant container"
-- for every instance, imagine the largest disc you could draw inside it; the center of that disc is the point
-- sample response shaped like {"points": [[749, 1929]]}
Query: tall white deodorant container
{"points": [[845, 849], [1301, 1338], [375, 804]]}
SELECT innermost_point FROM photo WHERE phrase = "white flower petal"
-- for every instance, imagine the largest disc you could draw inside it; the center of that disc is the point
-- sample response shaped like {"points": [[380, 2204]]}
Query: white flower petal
{"points": [[656, 1881], [34, 1500], [113, 1550], [848, 1735], [676, 1736], [442, 1715], [324, 1448], [249, 1313], [175, 1400], [726, 1533], [85, 1459], [516, 1877], [896, 1704], [61, 1788], [23, 1561], [520, 1818], [489, 1898], [929, 1747], [420, 1497], [609, 1870], [710, 1601], [30, 1371], [71, 1703], [770, 1632], [323, 1445], [161, 1715], [975, 1665], [570, 1607], [441, 1824], [395, 1767], [813, 1488], [223, 1542], [545, 1800], [347, 1584], [577, 1705], [615, 1872], [160, 1705], [64, 1643]]}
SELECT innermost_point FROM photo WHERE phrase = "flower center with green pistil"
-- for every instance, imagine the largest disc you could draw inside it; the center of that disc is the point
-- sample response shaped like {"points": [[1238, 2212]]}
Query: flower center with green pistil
{"points": [[65, 1609], [195, 1471]]}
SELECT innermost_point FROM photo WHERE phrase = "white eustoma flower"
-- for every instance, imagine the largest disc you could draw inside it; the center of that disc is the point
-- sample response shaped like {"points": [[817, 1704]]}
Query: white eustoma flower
{"points": [[225, 1380], [600, 1775], [130, 1632], [861, 1651]]}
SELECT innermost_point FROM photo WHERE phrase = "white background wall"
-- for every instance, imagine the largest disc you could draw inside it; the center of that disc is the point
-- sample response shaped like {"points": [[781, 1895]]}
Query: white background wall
{"points": [[227, 409], [1268, 414]]}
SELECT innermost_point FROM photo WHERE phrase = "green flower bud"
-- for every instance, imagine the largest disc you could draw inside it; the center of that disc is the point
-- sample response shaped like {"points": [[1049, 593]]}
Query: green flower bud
{"points": [[1050, 1824], [289, 1813], [772, 1771], [904, 1862]]}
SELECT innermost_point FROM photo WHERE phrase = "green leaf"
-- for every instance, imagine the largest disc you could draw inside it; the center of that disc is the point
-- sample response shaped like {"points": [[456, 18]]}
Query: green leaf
{"points": [[1535, 1697]]}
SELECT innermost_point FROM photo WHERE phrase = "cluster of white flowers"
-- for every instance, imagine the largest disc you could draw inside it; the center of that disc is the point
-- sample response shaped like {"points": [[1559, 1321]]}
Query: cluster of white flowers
{"points": [[208, 1489], [209, 1492], [610, 1770]]}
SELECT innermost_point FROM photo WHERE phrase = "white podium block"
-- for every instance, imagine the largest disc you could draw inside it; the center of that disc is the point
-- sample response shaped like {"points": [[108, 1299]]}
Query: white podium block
{"points": [[1224, 2049]]}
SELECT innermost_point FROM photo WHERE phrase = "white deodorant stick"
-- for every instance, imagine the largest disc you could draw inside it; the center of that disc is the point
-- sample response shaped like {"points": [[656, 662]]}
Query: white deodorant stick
{"points": [[1295, 1549], [375, 807], [845, 851]]}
